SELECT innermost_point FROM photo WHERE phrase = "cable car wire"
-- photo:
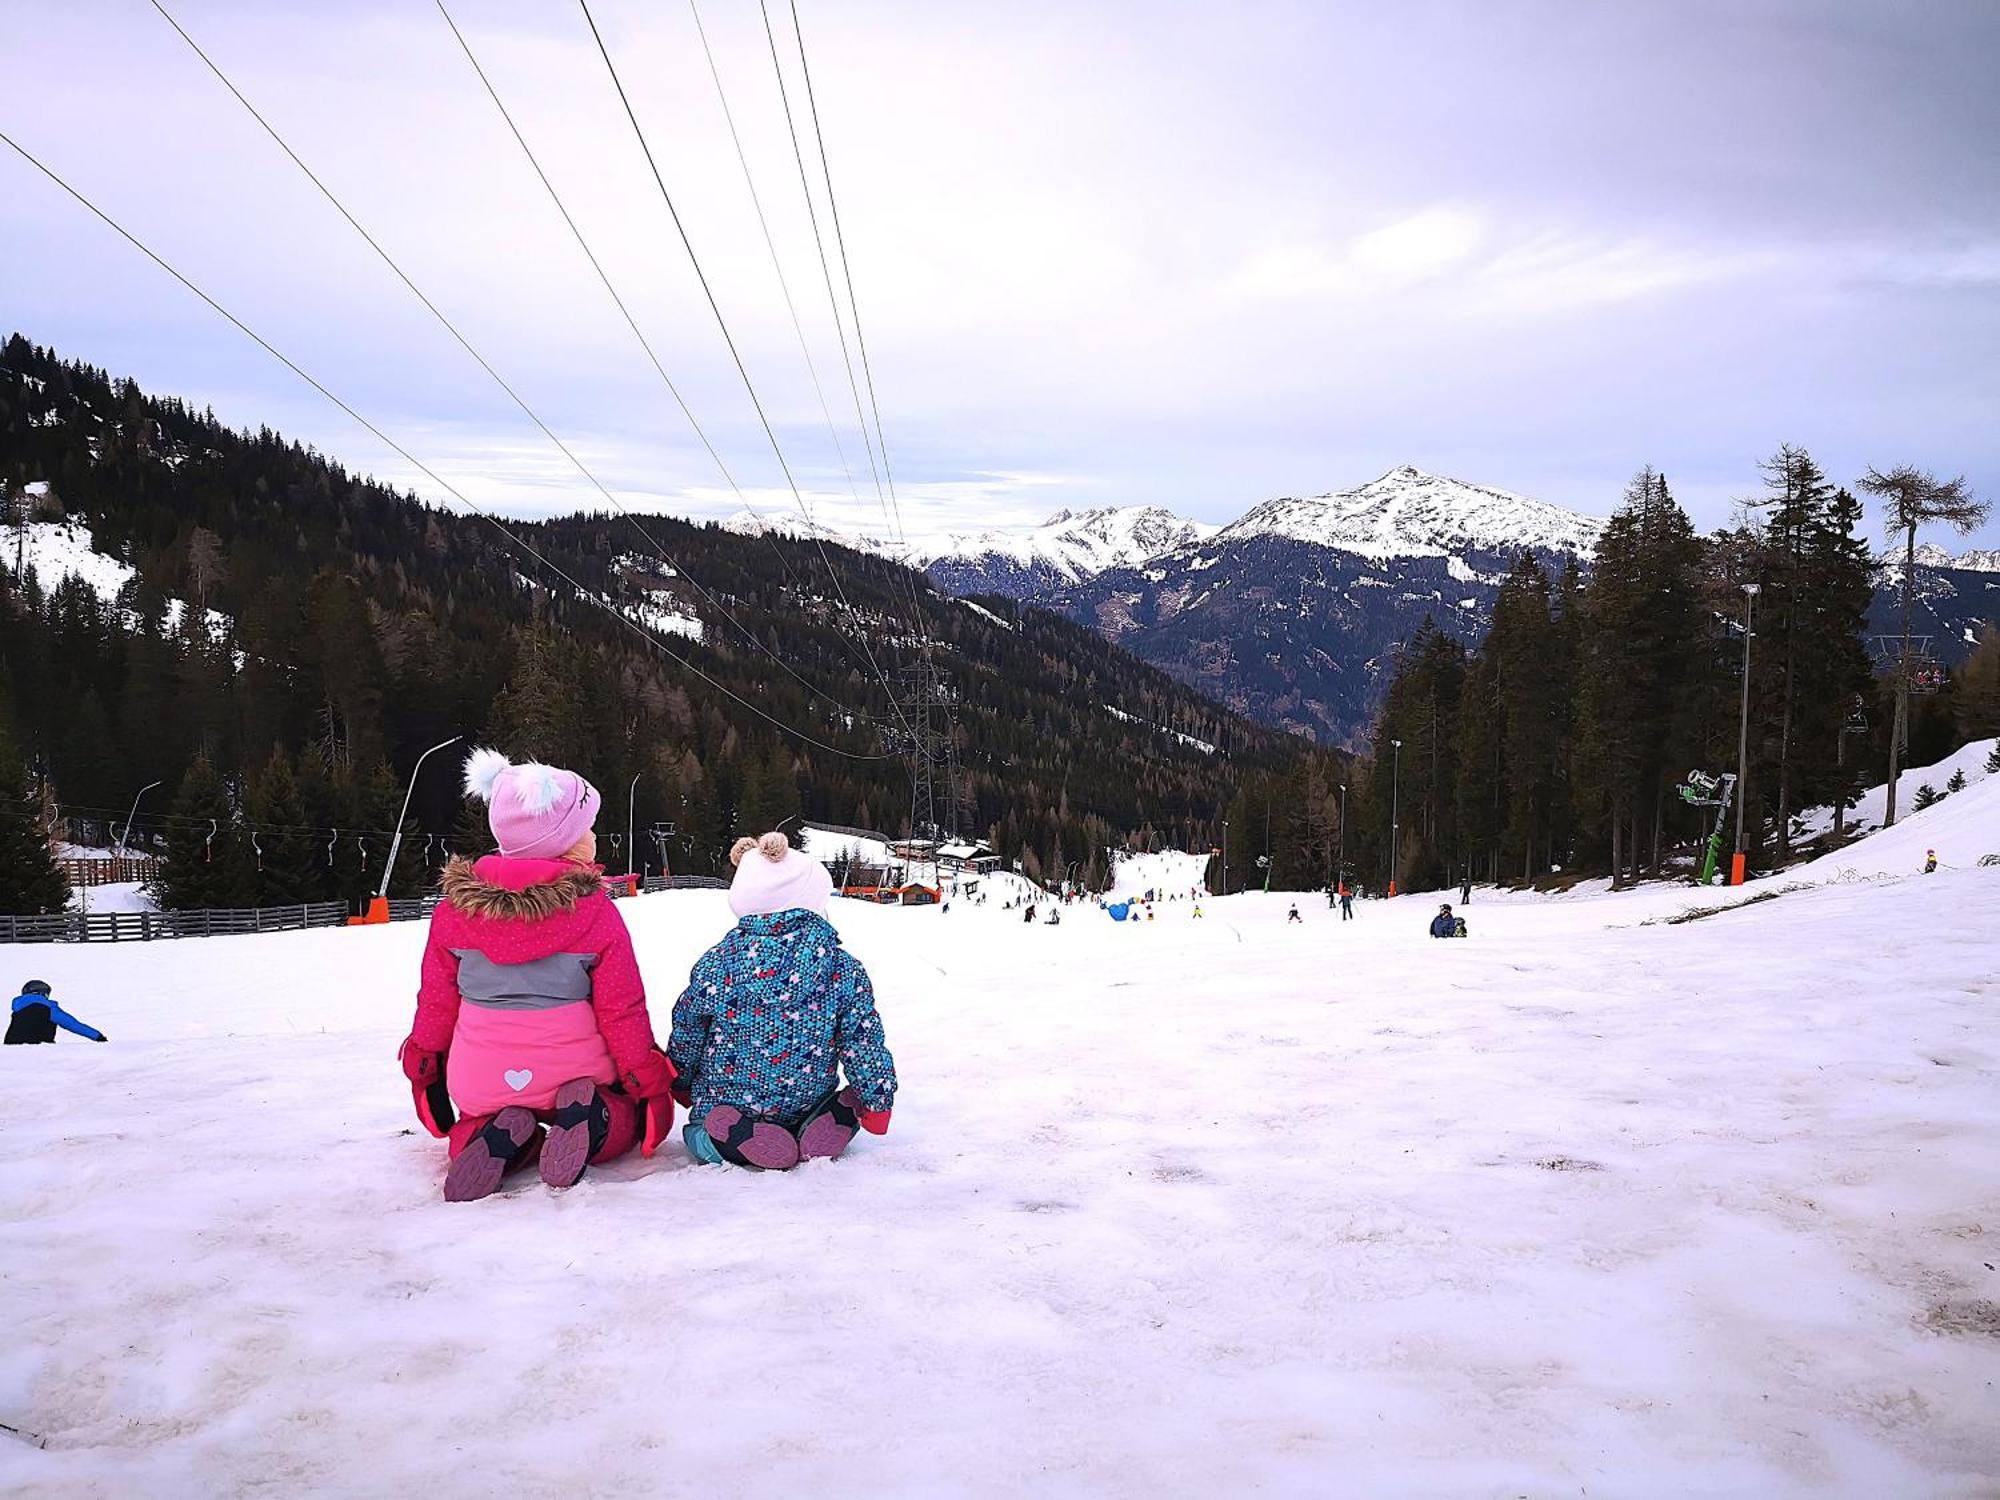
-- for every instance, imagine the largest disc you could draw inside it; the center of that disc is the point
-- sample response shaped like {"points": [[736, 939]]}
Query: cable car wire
{"points": [[416, 463]]}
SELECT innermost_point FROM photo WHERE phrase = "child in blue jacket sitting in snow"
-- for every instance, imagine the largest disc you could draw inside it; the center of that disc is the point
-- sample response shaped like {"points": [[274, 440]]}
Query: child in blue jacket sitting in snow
{"points": [[35, 1017], [771, 1017]]}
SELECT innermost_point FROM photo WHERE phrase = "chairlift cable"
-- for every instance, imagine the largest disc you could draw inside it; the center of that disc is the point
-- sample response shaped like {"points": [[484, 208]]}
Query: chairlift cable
{"points": [[467, 346], [735, 355], [893, 516], [846, 264], [645, 634], [631, 322]]}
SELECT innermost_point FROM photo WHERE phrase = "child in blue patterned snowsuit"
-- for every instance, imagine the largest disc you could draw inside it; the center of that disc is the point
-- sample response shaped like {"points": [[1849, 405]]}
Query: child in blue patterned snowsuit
{"points": [[771, 1017]]}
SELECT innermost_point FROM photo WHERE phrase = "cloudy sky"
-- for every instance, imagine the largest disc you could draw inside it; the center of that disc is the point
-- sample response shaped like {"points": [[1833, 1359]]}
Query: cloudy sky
{"points": [[1106, 251]]}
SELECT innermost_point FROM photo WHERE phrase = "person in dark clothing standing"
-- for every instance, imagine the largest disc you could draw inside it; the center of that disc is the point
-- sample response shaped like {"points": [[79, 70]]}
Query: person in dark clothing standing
{"points": [[36, 1016], [1465, 892]]}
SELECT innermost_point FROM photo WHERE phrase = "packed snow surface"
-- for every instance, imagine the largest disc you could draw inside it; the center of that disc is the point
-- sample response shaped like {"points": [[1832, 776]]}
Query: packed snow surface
{"points": [[1408, 513], [1179, 1208]]}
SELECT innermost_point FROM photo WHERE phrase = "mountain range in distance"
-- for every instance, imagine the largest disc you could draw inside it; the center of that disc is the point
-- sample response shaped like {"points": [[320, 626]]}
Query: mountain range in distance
{"points": [[1291, 613]]}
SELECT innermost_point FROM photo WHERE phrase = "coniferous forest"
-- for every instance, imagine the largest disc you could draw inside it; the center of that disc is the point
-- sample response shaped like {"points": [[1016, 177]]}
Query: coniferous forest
{"points": [[293, 636], [1554, 745]]}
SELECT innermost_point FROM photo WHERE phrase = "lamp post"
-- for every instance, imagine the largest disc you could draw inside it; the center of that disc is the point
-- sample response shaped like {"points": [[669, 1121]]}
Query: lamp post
{"points": [[381, 911], [631, 807], [1340, 858], [1395, 807], [1750, 592], [125, 839]]}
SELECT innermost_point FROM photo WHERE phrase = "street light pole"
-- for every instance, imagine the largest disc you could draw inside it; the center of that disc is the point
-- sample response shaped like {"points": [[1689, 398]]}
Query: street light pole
{"points": [[125, 839], [396, 843], [1750, 592], [1395, 808], [631, 809], [1340, 858]]}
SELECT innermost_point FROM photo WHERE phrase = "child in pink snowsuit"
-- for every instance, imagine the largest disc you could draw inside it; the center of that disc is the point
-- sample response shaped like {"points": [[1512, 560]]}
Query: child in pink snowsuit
{"points": [[531, 1013]]}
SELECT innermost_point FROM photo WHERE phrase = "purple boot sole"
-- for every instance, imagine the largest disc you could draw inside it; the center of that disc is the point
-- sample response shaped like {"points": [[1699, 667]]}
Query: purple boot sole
{"points": [[477, 1170], [761, 1144], [830, 1131], [566, 1150]]}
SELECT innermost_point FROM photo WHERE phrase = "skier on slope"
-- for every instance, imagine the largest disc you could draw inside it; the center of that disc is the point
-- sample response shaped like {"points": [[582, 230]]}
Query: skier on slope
{"points": [[771, 1017], [531, 1011], [35, 1017], [1346, 904], [1930, 861], [1294, 917]]}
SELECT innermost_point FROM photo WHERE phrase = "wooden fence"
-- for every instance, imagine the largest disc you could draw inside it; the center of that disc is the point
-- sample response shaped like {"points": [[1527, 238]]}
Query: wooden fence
{"points": [[145, 926], [92, 872]]}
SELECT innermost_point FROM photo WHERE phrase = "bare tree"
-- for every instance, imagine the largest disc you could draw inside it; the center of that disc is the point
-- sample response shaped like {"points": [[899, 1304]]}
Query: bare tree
{"points": [[1914, 497]]}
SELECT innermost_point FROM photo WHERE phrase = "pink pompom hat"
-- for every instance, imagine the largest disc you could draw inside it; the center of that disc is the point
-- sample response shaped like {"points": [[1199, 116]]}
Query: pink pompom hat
{"points": [[535, 811]]}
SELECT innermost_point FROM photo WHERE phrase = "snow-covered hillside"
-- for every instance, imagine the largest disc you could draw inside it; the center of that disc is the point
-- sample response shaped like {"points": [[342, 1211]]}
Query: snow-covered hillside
{"points": [[1226, 1206], [55, 550], [1408, 513], [1869, 809]]}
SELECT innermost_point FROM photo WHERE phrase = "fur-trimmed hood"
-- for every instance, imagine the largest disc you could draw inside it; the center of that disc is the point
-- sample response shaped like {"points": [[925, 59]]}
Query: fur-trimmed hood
{"points": [[483, 888]]}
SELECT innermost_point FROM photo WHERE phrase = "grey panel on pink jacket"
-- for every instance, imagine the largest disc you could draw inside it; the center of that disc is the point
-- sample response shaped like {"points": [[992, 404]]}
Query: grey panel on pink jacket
{"points": [[532, 984]]}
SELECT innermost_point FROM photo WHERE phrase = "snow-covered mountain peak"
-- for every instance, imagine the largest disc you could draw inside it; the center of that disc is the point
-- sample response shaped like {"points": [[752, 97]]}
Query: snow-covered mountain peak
{"points": [[1409, 513], [1931, 555], [1073, 545]]}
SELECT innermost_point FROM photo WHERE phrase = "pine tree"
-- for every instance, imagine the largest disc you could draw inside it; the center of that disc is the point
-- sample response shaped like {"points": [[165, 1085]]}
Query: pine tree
{"points": [[283, 849], [1993, 758], [1956, 783], [195, 873], [1926, 795], [31, 883]]}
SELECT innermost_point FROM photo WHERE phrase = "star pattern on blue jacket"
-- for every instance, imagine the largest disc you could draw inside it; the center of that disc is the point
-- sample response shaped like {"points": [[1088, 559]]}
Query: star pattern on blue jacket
{"points": [[773, 1015]]}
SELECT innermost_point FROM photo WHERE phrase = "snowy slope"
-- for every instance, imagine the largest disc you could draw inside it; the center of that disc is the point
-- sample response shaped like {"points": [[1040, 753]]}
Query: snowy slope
{"points": [[1408, 513], [1166, 870], [1169, 1209], [1869, 809], [56, 550], [1963, 828]]}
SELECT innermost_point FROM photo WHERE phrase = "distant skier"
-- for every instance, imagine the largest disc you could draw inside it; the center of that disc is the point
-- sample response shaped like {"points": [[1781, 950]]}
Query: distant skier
{"points": [[36, 1016], [1444, 925], [1930, 861], [1028, 915], [1294, 917], [1465, 892], [1346, 904], [1197, 911], [531, 1012], [1055, 917], [771, 1017]]}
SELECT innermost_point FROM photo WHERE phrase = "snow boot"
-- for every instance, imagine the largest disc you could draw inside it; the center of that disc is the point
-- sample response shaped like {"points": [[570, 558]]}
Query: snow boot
{"points": [[745, 1141], [577, 1132], [497, 1144], [828, 1128]]}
